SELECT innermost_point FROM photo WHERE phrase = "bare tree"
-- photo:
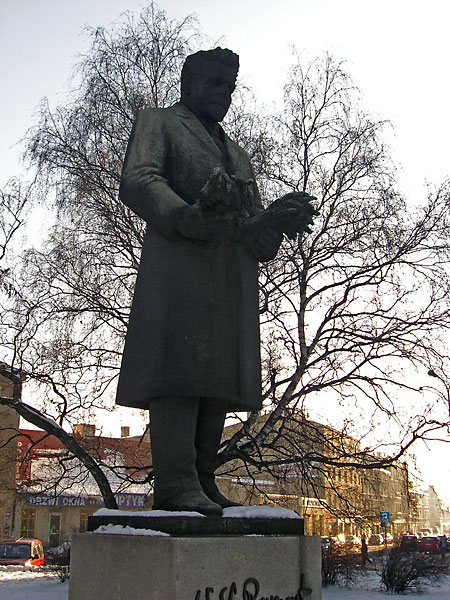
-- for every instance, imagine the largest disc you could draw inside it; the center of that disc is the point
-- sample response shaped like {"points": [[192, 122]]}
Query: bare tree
{"points": [[65, 325], [351, 312], [76, 289]]}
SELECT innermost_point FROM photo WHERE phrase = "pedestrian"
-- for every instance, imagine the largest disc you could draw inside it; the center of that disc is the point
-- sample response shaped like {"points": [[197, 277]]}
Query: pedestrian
{"points": [[364, 552], [442, 547]]}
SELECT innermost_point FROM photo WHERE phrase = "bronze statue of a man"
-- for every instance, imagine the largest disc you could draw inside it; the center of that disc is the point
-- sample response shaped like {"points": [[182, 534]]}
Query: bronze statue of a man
{"points": [[192, 346]]}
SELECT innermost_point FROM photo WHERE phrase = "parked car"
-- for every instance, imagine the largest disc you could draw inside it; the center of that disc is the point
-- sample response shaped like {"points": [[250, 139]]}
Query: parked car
{"points": [[352, 541], [375, 539], [429, 543], [326, 542], [335, 540], [26, 552], [425, 533], [409, 543], [388, 539], [58, 555]]}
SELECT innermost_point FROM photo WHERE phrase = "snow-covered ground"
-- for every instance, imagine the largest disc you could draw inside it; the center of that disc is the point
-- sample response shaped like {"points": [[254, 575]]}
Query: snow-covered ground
{"points": [[368, 588], [17, 584]]}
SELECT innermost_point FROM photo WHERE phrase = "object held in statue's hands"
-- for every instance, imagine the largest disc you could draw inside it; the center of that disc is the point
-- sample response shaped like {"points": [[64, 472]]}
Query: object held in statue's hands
{"points": [[224, 194]]}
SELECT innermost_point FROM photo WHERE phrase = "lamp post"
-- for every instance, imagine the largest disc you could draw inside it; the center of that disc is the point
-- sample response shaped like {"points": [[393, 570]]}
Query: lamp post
{"points": [[432, 373]]}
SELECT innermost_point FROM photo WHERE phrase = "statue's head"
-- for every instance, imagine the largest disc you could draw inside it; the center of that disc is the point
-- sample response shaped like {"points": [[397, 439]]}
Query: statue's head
{"points": [[208, 79]]}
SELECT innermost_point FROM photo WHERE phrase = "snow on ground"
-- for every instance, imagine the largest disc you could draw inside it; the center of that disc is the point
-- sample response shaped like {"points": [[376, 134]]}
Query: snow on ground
{"points": [[368, 588], [19, 584], [16, 583]]}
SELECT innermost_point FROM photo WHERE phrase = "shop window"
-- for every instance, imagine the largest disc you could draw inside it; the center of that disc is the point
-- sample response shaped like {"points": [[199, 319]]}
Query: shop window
{"points": [[27, 523]]}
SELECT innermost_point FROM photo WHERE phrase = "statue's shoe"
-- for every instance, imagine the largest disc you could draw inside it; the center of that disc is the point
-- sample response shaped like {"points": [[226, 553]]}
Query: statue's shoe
{"points": [[192, 500], [213, 494]]}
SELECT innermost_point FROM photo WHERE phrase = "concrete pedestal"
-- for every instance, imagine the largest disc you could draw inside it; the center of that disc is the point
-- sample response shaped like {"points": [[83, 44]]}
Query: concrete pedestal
{"points": [[138, 567]]}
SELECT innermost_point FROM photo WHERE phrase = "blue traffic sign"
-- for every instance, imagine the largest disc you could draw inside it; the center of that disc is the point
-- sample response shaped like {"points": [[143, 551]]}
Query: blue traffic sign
{"points": [[385, 518]]}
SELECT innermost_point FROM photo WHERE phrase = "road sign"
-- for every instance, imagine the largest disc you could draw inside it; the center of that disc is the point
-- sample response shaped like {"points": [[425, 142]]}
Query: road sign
{"points": [[385, 518]]}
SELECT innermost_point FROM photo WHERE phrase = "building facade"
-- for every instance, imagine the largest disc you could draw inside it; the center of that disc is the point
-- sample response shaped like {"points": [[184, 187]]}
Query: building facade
{"points": [[333, 499], [54, 494], [9, 420]]}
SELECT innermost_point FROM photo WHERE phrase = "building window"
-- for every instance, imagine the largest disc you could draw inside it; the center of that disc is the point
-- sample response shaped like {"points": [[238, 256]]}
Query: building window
{"points": [[83, 521], [27, 523]]}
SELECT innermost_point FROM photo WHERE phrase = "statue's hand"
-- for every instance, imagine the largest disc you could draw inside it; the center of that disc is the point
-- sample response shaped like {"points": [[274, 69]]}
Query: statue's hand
{"points": [[301, 217], [291, 214], [193, 223], [263, 244], [275, 219]]}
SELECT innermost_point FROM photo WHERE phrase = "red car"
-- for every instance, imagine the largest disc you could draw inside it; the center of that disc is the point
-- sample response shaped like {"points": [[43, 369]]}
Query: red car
{"points": [[429, 543], [26, 552]]}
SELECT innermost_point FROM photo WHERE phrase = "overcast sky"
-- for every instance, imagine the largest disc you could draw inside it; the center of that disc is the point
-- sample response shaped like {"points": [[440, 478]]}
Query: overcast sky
{"points": [[396, 51]]}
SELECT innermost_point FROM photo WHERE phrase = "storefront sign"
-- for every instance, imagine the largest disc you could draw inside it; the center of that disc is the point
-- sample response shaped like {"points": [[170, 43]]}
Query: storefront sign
{"points": [[123, 501]]}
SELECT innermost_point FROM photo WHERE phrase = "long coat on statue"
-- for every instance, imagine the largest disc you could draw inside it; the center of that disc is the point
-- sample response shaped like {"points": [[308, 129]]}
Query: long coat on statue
{"points": [[194, 322]]}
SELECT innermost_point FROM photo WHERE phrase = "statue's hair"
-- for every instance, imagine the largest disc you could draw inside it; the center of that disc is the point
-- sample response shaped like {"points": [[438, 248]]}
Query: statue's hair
{"points": [[195, 63]]}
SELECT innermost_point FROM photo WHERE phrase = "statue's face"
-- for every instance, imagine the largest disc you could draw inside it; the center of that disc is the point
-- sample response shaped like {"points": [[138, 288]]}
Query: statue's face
{"points": [[210, 93]]}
